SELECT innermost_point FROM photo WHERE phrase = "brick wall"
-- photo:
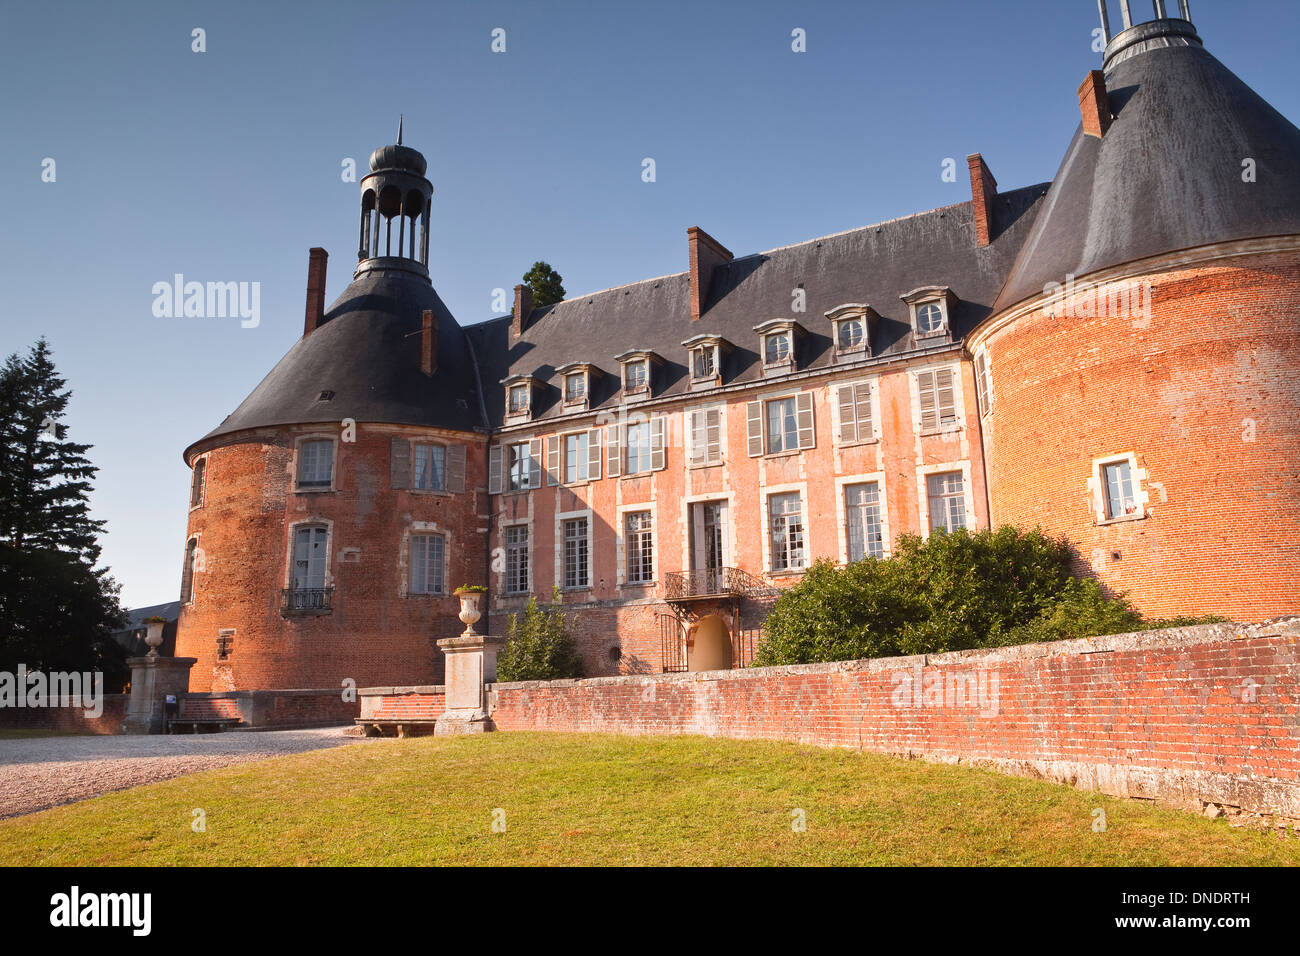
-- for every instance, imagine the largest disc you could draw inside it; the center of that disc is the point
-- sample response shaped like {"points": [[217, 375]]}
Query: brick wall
{"points": [[72, 720], [279, 709], [1205, 393], [1164, 715], [375, 633]]}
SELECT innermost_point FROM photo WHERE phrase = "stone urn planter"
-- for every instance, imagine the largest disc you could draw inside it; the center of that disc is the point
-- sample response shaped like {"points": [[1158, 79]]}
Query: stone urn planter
{"points": [[153, 634], [471, 599]]}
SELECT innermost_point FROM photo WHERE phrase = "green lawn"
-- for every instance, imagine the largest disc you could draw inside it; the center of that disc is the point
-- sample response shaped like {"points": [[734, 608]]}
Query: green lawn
{"points": [[593, 799]]}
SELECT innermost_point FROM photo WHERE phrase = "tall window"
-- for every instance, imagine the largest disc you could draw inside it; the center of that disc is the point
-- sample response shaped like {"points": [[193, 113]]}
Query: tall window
{"points": [[519, 467], [706, 436], [428, 563], [638, 548], [575, 457], [577, 571], [517, 559], [196, 482], [315, 464], [430, 467], [638, 448], [310, 548], [187, 572], [862, 512], [785, 515], [937, 393], [782, 426], [984, 382], [1117, 485], [947, 501]]}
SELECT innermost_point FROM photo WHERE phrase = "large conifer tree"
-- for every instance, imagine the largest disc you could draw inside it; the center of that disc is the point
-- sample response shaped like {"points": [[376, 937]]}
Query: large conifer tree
{"points": [[57, 610]]}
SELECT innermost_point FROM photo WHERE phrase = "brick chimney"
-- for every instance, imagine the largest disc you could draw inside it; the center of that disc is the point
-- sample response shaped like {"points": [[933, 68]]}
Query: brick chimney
{"points": [[429, 343], [706, 255], [315, 289], [1094, 104], [983, 196], [523, 309]]}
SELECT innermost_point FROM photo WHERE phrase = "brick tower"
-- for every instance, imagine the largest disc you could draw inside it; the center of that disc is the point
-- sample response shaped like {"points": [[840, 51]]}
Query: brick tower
{"points": [[334, 511]]}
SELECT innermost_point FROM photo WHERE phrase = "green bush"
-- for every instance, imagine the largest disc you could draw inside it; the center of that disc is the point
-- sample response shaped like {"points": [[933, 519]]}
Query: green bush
{"points": [[538, 645], [952, 591]]}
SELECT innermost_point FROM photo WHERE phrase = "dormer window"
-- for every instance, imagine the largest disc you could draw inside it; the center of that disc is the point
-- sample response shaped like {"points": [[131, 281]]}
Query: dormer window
{"points": [[519, 396], [577, 379], [931, 308], [638, 370], [779, 339], [852, 326], [519, 400], [706, 354]]}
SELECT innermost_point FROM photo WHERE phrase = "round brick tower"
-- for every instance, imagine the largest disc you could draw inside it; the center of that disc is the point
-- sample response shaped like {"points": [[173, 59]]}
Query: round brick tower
{"points": [[334, 511], [1140, 371]]}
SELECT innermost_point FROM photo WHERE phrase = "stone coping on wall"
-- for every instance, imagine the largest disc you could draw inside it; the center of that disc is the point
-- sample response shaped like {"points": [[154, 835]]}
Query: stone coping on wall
{"points": [[1164, 638], [398, 691], [292, 692]]}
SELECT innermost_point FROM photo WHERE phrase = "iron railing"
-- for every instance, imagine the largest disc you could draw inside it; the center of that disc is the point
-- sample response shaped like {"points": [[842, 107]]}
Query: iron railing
{"points": [[306, 600], [712, 582]]}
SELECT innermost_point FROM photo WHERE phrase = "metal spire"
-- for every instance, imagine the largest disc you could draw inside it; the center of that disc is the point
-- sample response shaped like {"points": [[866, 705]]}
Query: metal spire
{"points": [[399, 128]]}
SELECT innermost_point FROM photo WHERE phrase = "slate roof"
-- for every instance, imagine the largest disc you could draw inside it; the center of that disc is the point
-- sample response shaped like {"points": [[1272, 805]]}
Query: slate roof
{"points": [[367, 353], [1168, 173], [873, 265]]}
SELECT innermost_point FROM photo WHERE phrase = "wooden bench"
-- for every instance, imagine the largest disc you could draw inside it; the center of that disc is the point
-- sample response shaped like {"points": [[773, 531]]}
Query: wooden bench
{"points": [[396, 726]]}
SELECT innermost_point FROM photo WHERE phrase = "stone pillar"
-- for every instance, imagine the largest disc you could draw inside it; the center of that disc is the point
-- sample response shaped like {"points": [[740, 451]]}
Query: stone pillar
{"points": [[471, 663], [152, 679]]}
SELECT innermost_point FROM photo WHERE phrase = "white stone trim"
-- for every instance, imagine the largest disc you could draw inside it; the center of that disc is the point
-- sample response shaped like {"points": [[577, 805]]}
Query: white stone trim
{"points": [[1097, 491], [841, 511]]}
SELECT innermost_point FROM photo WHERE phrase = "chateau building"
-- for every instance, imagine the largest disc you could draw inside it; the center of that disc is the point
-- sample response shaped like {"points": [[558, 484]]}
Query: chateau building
{"points": [[1112, 355]]}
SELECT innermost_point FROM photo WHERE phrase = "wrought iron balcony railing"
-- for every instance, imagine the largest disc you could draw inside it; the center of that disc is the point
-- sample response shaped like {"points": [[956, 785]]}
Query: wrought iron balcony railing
{"points": [[306, 600], [713, 582]]}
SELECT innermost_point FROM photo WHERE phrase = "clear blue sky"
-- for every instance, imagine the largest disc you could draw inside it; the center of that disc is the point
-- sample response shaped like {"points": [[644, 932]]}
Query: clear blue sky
{"points": [[225, 165]]}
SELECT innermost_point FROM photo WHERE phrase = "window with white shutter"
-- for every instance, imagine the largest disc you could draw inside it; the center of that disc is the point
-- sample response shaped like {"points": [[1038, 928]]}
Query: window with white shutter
{"points": [[984, 381], [854, 404], [704, 436], [936, 392]]}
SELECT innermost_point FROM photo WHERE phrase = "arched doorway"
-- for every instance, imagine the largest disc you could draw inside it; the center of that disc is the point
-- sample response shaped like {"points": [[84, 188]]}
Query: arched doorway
{"points": [[710, 646]]}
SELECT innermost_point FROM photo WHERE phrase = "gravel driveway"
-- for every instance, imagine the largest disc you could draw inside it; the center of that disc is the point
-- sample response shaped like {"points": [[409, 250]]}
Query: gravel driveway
{"points": [[41, 772]]}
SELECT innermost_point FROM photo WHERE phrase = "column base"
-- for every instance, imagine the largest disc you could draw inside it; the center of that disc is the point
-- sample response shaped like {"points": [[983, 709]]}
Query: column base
{"points": [[468, 722]]}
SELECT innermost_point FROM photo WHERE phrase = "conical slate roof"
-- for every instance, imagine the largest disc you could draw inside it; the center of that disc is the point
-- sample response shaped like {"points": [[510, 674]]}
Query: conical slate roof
{"points": [[365, 356], [1167, 175]]}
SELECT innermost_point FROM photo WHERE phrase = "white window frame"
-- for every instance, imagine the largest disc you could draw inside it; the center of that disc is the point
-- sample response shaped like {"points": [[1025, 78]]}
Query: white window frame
{"points": [[298, 444], [923, 474], [560, 541], [506, 549], [328, 524], [704, 461], [769, 557], [983, 369], [507, 467], [199, 482], [581, 397], [645, 450], [1097, 486], [644, 386], [704, 351], [624, 550], [841, 510], [958, 399], [769, 338], [872, 385], [411, 535], [861, 346], [584, 441], [415, 473]]}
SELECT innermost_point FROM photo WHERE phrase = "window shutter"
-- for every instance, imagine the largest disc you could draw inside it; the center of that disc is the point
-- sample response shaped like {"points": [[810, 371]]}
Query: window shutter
{"points": [[658, 460], [455, 468], [862, 411], [713, 435], [754, 414], [593, 454], [925, 389], [848, 419], [946, 395], [535, 463], [553, 460], [400, 467], [694, 446], [494, 469], [614, 456], [804, 408]]}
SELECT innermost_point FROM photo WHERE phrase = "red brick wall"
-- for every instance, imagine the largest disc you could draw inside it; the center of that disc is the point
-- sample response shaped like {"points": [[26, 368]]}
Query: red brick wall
{"points": [[375, 634], [1158, 715], [72, 720], [1206, 394]]}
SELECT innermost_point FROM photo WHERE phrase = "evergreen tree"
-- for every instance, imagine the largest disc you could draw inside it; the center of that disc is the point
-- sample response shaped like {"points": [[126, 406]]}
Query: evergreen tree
{"points": [[546, 283], [57, 610]]}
